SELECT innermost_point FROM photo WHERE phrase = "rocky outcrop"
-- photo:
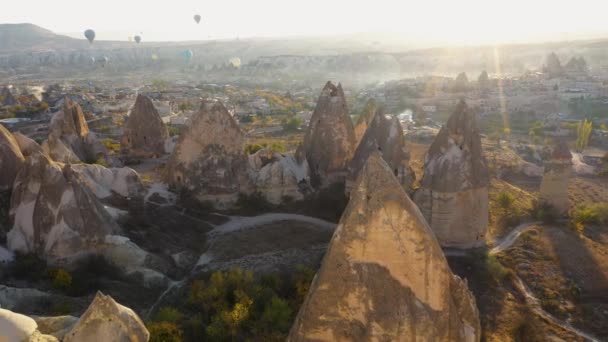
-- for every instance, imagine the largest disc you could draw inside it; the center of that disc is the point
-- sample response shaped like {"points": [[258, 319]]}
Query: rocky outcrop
{"points": [[27, 145], [144, 133], [384, 276], [276, 175], [553, 66], [330, 140], [6, 97], [453, 196], [209, 163], [385, 136], [366, 117], [15, 327], [70, 140], [105, 182], [11, 159], [57, 326], [106, 320], [55, 214], [554, 185]]}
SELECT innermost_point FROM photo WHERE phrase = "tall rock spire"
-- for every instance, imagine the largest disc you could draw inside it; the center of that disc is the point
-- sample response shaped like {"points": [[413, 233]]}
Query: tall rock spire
{"points": [[330, 141], [454, 190], [145, 132], [384, 276], [209, 162], [384, 135]]}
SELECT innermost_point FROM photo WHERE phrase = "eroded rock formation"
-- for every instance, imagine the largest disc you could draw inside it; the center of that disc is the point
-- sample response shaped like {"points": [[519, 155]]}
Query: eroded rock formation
{"points": [[384, 276], [27, 145], [11, 159], [106, 320], [70, 140], [454, 190], [554, 185], [330, 140], [55, 214], [384, 135], [144, 133], [366, 117], [15, 327], [209, 162], [276, 175]]}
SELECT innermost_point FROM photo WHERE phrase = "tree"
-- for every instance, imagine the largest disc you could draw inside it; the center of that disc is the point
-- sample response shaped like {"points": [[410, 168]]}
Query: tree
{"points": [[583, 133], [292, 124]]}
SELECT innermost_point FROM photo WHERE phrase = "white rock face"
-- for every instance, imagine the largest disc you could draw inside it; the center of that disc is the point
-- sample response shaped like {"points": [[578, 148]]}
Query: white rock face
{"points": [[105, 320], [55, 214], [276, 175], [15, 327], [104, 182], [10, 297], [453, 196], [384, 276]]}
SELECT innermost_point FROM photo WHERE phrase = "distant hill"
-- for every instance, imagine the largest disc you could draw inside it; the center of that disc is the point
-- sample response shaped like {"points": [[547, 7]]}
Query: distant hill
{"points": [[19, 37]]}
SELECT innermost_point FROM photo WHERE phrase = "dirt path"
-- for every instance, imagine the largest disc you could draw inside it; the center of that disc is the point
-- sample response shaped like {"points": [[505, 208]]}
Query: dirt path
{"points": [[506, 242]]}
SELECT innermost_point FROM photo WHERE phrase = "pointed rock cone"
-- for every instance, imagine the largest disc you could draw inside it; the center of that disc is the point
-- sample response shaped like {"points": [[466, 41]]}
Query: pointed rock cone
{"points": [[11, 159], [453, 196], [209, 162], [385, 136], [384, 276], [106, 320], [365, 119], [330, 141], [554, 185], [145, 132]]}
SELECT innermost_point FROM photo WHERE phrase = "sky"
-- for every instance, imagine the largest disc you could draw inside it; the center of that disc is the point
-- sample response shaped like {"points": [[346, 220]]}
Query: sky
{"points": [[447, 21]]}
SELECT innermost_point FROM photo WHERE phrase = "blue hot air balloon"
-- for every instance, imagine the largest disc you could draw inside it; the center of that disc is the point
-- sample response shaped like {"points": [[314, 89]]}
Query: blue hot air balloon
{"points": [[90, 35], [137, 39], [197, 18], [187, 55]]}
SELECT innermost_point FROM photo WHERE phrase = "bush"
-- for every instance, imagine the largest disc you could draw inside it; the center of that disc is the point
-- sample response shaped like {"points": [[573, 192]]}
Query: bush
{"points": [[253, 148], [168, 314], [505, 200], [544, 212], [594, 213], [292, 124], [62, 279], [101, 161], [28, 266], [112, 145], [164, 332]]}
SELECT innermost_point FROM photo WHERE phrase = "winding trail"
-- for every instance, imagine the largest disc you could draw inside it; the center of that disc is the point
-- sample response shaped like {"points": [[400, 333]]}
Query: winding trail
{"points": [[506, 242], [237, 223]]}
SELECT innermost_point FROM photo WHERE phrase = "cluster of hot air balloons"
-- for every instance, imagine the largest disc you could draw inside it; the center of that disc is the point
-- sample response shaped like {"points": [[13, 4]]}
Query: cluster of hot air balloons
{"points": [[186, 54]]}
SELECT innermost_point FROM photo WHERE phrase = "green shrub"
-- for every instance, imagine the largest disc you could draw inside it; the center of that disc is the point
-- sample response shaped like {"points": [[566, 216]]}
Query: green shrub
{"points": [[277, 315], [62, 279], [505, 200], [253, 148], [168, 314], [164, 332], [28, 266], [544, 212], [591, 213]]}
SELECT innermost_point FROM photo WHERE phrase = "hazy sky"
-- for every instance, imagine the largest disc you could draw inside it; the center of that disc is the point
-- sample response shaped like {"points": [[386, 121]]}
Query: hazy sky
{"points": [[457, 21]]}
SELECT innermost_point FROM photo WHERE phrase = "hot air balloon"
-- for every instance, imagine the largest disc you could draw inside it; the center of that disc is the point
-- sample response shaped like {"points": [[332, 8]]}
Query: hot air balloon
{"points": [[197, 18], [90, 35], [154, 57], [187, 54], [130, 38], [137, 39], [92, 60], [103, 61], [235, 62]]}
